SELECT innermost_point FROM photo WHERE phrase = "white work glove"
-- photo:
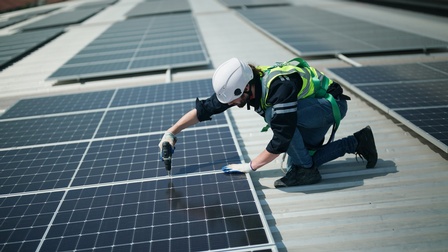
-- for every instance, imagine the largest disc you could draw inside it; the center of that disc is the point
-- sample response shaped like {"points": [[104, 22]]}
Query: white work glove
{"points": [[168, 137], [238, 168]]}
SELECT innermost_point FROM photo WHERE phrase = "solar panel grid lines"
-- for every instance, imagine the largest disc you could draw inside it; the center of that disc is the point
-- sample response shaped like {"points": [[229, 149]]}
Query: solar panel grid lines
{"points": [[322, 32], [113, 191], [159, 7], [138, 45], [157, 93], [432, 121], [59, 104], [134, 158], [146, 119], [169, 213], [415, 94], [48, 129], [391, 73], [31, 122], [39, 168], [15, 46], [63, 18], [24, 220]]}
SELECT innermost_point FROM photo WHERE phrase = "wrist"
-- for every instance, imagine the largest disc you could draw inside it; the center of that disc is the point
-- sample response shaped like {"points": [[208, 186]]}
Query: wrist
{"points": [[250, 165]]}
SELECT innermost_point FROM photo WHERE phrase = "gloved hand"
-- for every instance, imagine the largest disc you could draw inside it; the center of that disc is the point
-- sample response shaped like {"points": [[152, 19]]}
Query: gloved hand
{"points": [[238, 168], [168, 137]]}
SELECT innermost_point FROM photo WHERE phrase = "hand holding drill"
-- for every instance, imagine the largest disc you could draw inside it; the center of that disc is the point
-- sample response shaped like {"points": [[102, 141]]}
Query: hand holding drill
{"points": [[166, 147]]}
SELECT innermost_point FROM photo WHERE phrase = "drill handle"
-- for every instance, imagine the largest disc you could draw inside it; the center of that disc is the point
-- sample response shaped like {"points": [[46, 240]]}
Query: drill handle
{"points": [[167, 152]]}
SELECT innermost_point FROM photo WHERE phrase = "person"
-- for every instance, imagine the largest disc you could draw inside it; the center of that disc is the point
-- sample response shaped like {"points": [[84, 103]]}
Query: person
{"points": [[283, 95]]}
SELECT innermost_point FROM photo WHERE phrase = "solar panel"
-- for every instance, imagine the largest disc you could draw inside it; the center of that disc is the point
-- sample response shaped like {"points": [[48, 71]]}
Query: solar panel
{"points": [[390, 74], [320, 32], [102, 3], [162, 93], [415, 94], [251, 3], [59, 104], [93, 180], [409, 95], [163, 215], [147, 119], [64, 18], [15, 46], [138, 45], [159, 7], [24, 220], [40, 168], [134, 158], [24, 16], [16, 133], [432, 121]]}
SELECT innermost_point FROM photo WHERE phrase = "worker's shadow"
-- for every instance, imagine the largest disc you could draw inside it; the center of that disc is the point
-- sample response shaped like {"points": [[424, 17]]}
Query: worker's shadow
{"points": [[336, 175]]}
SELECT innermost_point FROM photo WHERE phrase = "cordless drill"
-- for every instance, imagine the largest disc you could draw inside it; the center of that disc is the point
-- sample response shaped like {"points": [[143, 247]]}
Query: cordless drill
{"points": [[167, 152]]}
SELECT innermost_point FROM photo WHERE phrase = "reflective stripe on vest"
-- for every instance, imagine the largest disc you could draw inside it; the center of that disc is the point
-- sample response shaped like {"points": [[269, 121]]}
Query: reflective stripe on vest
{"points": [[306, 73]]}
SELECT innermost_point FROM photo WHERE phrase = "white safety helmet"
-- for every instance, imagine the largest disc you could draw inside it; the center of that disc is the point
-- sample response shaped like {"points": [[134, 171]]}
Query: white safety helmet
{"points": [[230, 79]]}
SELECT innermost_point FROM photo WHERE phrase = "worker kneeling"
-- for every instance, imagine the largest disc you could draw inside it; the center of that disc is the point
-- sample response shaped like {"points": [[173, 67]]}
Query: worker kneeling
{"points": [[299, 103]]}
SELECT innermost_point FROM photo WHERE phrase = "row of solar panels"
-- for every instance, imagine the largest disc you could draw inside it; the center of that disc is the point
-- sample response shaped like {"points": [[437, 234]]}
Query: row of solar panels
{"points": [[160, 42], [162, 50], [166, 41], [415, 94], [83, 171], [34, 35]]}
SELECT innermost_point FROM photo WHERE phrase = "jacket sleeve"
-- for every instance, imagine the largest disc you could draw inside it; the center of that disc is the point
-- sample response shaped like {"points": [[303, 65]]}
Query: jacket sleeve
{"points": [[283, 99], [208, 107]]}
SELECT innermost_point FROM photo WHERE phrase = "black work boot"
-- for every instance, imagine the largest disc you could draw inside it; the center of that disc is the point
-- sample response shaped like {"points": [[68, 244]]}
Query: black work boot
{"points": [[298, 176], [366, 146]]}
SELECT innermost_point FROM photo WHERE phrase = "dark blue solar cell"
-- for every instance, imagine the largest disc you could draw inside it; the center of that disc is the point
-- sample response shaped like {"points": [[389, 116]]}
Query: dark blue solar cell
{"points": [[118, 50], [15, 46], [24, 220], [163, 93], [167, 222], [434, 121], [330, 33], [390, 73], [59, 104], [39, 168], [147, 119], [63, 18], [440, 66], [48, 129], [138, 157], [417, 92], [409, 95]]}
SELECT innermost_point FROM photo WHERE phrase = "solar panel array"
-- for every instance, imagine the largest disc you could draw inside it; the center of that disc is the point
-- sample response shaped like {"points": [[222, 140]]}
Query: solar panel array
{"points": [[15, 46], [312, 32], [159, 7], [138, 45], [416, 94], [22, 17], [91, 178], [64, 18]]}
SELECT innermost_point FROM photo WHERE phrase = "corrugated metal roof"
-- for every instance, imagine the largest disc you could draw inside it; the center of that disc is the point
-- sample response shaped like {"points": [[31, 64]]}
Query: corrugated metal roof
{"points": [[400, 205]]}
